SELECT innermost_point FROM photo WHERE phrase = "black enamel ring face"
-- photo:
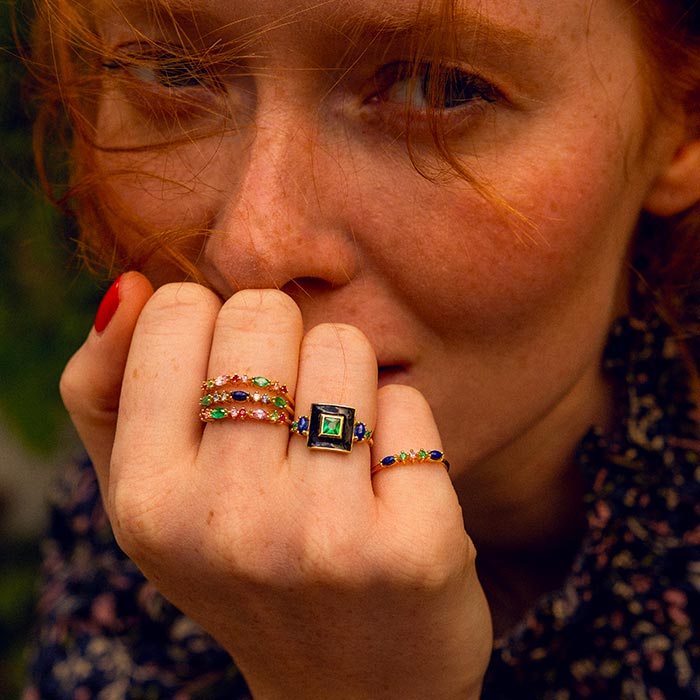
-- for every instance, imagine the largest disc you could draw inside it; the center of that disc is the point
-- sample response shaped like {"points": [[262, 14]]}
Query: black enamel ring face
{"points": [[331, 427]]}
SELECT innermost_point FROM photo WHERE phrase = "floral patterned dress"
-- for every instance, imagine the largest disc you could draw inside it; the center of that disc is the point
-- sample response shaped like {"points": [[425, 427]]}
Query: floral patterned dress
{"points": [[624, 625]]}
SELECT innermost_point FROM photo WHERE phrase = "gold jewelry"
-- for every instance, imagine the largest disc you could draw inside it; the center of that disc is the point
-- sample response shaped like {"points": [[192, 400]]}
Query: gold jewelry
{"points": [[411, 457]]}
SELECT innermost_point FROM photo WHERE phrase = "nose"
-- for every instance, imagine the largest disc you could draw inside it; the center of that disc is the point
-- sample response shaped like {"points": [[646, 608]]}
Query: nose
{"points": [[285, 219]]}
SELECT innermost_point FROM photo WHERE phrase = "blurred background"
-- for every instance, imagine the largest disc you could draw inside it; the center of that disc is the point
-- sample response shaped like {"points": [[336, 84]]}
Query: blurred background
{"points": [[46, 307]]}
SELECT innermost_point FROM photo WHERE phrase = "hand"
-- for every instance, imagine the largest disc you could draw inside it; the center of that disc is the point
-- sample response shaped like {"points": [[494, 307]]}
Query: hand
{"points": [[320, 582]]}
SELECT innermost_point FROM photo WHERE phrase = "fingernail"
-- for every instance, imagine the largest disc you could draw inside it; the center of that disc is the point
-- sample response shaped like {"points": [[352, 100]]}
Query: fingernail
{"points": [[108, 306]]}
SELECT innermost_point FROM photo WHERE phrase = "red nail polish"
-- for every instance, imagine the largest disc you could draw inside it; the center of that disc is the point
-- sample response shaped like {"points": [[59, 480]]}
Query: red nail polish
{"points": [[108, 306]]}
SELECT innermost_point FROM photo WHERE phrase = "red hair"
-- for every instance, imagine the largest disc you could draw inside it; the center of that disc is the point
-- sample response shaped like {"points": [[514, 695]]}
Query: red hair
{"points": [[67, 62]]}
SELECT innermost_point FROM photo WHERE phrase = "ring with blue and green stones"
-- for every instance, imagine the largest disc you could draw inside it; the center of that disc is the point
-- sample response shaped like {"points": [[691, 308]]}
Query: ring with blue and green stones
{"points": [[218, 385], [331, 427], [241, 396], [411, 457], [217, 414], [237, 389]]}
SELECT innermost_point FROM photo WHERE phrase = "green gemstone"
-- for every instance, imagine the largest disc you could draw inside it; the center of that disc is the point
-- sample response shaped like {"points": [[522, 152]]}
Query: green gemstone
{"points": [[210, 384], [280, 402], [422, 454], [331, 426], [205, 400], [261, 381], [274, 417], [218, 413], [403, 456]]}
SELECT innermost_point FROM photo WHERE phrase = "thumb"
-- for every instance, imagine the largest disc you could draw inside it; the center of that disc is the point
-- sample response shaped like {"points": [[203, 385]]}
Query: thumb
{"points": [[91, 383]]}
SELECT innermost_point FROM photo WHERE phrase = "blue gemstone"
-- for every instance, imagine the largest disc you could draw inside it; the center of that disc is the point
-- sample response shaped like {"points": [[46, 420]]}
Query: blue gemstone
{"points": [[239, 395], [360, 431], [436, 455], [303, 424], [387, 461]]}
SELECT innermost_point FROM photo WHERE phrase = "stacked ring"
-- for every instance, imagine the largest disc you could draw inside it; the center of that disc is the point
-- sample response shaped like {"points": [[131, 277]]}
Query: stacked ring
{"points": [[331, 427], [225, 380], [276, 404], [411, 457], [242, 396], [219, 413]]}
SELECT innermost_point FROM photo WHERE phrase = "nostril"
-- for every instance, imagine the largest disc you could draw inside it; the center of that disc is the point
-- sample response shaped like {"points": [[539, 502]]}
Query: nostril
{"points": [[313, 288]]}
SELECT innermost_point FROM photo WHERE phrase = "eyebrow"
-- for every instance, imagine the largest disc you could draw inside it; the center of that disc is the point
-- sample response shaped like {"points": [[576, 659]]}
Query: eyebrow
{"points": [[357, 22], [461, 22]]}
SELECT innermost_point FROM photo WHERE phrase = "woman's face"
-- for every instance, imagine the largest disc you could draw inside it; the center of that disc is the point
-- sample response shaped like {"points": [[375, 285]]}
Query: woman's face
{"points": [[496, 308]]}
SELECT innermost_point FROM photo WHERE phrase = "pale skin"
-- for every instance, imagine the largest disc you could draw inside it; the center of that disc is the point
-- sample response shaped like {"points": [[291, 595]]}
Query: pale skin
{"points": [[447, 321]]}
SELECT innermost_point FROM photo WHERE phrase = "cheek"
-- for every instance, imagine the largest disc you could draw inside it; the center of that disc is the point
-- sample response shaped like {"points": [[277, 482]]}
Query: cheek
{"points": [[154, 189], [554, 244], [162, 191]]}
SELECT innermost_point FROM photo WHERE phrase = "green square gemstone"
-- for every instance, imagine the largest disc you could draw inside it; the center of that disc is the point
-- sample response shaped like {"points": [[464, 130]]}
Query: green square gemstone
{"points": [[331, 426]]}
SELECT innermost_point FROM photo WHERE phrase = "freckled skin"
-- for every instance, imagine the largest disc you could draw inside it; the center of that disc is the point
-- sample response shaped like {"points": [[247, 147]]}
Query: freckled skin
{"points": [[497, 318]]}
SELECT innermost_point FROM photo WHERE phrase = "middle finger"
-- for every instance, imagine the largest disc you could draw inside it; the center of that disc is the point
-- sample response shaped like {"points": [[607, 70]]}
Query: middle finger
{"points": [[338, 368]]}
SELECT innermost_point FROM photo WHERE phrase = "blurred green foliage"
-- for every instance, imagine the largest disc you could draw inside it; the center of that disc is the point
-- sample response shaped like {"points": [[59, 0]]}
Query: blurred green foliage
{"points": [[46, 308], [18, 585], [46, 302]]}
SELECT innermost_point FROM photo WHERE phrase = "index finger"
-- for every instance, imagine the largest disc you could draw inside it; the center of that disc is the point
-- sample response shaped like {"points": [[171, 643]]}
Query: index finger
{"points": [[158, 425]]}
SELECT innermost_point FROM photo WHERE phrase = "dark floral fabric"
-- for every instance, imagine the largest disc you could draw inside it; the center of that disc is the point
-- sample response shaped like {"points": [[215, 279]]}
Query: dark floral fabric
{"points": [[625, 625]]}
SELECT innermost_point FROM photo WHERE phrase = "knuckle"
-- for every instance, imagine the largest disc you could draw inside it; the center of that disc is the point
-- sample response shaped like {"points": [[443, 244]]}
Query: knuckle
{"points": [[265, 311], [141, 524], [403, 396], [429, 561], [83, 394], [178, 299], [255, 301], [342, 340], [331, 556], [337, 335], [312, 555], [71, 385]]}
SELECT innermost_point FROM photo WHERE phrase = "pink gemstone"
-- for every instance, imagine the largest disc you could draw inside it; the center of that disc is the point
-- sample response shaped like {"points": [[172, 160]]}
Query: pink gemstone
{"points": [[220, 381], [259, 414]]}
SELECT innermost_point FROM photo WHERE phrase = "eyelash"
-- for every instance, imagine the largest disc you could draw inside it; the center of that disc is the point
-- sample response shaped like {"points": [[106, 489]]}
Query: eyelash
{"points": [[164, 69], [432, 87], [418, 89]]}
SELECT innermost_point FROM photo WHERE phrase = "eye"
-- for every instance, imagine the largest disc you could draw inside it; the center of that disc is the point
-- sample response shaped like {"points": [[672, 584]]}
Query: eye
{"points": [[168, 91], [431, 87], [162, 68]]}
